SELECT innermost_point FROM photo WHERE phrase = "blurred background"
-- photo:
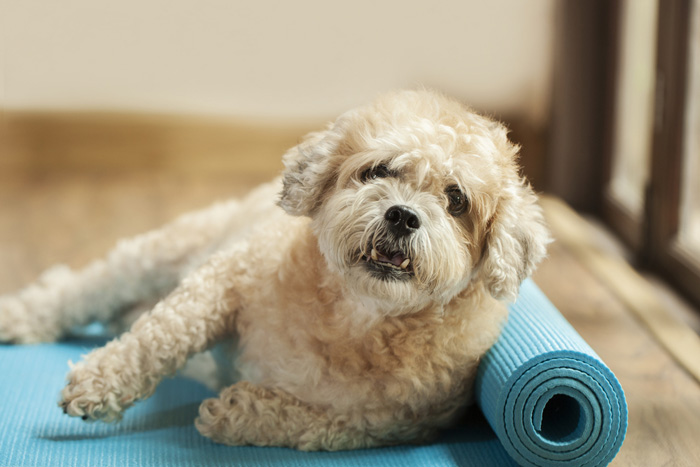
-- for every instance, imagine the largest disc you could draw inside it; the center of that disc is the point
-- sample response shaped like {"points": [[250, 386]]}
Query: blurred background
{"points": [[207, 95]]}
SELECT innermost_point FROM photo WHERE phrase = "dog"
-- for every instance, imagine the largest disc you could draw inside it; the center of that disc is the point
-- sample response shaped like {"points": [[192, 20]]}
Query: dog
{"points": [[348, 302]]}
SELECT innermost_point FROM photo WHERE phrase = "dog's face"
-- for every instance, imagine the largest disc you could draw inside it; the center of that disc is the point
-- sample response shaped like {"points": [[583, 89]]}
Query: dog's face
{"points": [[413, 198]]}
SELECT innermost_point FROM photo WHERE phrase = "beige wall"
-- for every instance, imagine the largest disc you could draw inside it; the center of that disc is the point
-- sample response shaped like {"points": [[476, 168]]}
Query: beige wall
{"points": [[262, 58]]}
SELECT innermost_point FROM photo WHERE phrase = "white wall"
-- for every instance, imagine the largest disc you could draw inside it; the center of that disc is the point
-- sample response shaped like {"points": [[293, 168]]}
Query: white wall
{"points": [[263, 58]]}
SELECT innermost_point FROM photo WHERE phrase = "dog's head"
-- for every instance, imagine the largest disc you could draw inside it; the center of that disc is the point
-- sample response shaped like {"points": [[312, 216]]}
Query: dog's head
{"points": [[415, 197]]}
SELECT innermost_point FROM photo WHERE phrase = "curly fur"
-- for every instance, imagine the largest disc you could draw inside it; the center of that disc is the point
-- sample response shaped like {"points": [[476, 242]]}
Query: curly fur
{"points": [[327, 354]]}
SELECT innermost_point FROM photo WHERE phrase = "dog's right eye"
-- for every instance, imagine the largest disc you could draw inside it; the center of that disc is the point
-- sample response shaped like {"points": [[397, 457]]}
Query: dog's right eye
{"points": [[378, 171], [458, 201]]}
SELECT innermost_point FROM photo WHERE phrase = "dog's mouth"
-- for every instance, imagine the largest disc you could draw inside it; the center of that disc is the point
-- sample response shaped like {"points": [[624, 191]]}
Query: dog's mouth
{"points": [[388, 264]]}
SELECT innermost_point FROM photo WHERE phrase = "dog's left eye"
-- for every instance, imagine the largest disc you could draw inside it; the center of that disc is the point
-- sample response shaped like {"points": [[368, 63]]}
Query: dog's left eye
{"points": [[378, 171], [458, 202]]}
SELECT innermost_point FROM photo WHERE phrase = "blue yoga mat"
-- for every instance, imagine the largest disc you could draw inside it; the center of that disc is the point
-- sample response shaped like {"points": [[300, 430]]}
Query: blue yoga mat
{"points": [[546, 397]]}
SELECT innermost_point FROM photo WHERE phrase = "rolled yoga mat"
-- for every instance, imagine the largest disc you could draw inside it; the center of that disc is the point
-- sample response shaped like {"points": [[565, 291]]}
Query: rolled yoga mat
{"points": [[547, 395]]}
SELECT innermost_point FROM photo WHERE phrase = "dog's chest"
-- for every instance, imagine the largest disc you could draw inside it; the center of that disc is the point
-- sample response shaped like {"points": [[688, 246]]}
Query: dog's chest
{"points": [[324, 353]]}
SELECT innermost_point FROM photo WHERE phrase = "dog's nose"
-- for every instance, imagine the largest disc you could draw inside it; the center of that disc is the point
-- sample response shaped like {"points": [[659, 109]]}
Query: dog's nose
{"points": [[402, 220]]}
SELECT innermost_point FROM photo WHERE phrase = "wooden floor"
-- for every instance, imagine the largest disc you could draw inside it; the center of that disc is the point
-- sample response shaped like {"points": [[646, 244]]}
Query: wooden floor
{"points": [[48, 218]]}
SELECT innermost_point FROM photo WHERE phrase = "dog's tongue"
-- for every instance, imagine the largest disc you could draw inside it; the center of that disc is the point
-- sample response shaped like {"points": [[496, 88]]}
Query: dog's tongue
{"points": [[396, 260]]}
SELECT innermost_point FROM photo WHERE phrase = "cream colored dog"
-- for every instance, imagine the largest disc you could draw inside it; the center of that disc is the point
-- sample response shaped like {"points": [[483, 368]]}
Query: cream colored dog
{"points": [[354, 296]]}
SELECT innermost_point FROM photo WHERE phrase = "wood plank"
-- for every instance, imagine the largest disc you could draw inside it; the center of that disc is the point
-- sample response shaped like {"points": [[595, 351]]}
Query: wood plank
{"points": [[630, 287]]}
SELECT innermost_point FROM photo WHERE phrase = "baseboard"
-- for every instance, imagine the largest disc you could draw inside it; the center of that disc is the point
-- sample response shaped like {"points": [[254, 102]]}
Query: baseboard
{"points": [[49, 142]]}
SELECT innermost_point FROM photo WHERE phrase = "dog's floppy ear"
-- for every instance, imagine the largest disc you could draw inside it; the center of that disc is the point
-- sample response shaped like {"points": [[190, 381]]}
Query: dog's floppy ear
{"points": [[516, 241], [516, 236], [308, 172]]}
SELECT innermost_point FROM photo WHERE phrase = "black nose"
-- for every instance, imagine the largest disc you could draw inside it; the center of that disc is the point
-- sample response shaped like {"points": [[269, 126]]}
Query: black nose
{"points": [[402, 220]]}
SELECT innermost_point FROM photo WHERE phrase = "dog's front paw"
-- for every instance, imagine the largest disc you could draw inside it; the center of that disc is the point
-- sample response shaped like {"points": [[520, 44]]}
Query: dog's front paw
{"points": [[236, 417], [215, 421], [92, 395], [245, 414]]}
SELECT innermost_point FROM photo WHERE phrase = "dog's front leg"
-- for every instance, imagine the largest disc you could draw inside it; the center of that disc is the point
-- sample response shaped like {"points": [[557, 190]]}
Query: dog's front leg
{"points": [[247, 414], [198, 313]]}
